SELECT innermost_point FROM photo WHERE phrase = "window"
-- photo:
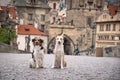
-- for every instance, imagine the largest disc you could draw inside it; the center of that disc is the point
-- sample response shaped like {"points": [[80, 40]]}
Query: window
{"points": [[54, 5], [32, 1], [104, 16], [108, 27], [30, 16], [106, 37], [42, 28], [101, 27], [30, 23], [112, 37], [42, 17], [27, 29], [114, 27], [89, 21]]}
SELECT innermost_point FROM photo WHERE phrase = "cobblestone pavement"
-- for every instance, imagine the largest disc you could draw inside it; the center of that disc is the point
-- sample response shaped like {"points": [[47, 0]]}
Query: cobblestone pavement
{"points": [[16, 67]]}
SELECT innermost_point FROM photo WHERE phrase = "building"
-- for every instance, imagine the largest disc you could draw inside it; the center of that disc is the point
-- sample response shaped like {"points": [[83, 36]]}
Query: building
{"points": [[33, 12], [108, 27], [25, 34], [58, 10], [54, 5], [33, 20], [4, 2], [72, 39], [77, 24], [8, 14]]}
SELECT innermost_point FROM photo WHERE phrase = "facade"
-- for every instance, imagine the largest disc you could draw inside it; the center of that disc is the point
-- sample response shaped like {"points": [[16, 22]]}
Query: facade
{"points": [[108, 27], [8, 17], [33, 12], [25, 34], [77, 24]]}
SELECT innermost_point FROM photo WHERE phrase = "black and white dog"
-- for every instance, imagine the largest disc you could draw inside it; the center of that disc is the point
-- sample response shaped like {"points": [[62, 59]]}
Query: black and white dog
{"points": [[37, 60]]}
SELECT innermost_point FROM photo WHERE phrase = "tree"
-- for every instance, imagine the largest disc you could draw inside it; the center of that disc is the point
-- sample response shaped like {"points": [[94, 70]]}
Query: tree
{"points": [[7, 35]]}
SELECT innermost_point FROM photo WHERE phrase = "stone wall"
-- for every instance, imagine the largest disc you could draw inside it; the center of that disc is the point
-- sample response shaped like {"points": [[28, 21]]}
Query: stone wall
{"points": [[4, 48], [111, 51]]}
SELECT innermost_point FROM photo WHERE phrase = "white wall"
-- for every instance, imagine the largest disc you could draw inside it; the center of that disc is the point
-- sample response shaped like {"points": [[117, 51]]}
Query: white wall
{"points": [[21, 42]]}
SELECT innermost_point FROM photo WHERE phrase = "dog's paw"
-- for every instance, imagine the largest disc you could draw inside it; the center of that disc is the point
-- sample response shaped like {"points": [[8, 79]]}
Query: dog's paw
{"points": [[52, 67], [62, 68]]}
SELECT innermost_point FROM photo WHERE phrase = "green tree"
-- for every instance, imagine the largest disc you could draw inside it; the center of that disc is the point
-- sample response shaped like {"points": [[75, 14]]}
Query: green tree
{"points": [[7, 34]]}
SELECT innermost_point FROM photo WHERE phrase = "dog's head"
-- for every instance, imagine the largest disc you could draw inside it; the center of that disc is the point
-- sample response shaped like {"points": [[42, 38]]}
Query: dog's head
{"points": [[60, 39], [37, 41]]}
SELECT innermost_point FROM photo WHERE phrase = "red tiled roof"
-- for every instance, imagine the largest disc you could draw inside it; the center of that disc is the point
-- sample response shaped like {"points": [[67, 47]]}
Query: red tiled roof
{"points": [[11, 11], [113, 10], [29, 30]]}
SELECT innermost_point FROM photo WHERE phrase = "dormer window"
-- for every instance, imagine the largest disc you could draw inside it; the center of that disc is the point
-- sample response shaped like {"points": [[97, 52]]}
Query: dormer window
{"points": [[104, 16], [27, 29]]}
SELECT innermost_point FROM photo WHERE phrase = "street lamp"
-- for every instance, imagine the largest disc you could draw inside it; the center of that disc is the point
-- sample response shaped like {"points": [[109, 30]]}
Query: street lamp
{"points": [[93, 37]]}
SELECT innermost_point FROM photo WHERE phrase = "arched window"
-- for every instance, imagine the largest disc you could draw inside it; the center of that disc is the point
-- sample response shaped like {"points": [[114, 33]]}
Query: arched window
{"points": [[54, 5]]}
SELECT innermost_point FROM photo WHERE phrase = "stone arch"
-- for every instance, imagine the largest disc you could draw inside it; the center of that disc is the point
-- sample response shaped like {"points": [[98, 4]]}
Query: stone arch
{"points": [[69, 45]]}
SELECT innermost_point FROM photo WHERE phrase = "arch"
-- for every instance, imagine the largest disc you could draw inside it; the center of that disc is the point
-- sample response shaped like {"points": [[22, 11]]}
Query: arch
{"points": [[69, 45]]}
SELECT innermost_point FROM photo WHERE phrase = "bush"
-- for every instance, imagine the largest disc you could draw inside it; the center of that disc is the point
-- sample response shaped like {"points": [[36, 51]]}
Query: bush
{"points": [[7, 34]]}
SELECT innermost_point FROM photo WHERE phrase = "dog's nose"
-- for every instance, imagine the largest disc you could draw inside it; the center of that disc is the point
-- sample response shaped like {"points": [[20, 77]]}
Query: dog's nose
{"points": [[36, 43], [59, 42]]}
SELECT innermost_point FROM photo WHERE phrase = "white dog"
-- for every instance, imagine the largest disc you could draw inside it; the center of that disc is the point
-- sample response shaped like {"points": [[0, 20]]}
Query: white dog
{"points": [[37, 60], [59, 61]]}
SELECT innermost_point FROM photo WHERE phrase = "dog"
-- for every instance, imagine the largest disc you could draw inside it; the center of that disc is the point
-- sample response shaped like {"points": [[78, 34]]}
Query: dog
{"points": [[59, 61], [37, 60]]}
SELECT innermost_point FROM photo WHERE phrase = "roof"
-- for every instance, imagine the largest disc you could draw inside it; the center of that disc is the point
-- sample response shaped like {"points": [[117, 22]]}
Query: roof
{"points": [[113, 10], [29, 30], [11, 11], [23, 3]]}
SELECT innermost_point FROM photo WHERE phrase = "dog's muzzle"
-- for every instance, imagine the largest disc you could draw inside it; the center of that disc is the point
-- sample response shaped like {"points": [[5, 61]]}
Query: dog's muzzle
{"points": [[36, 43], [59, 42]]}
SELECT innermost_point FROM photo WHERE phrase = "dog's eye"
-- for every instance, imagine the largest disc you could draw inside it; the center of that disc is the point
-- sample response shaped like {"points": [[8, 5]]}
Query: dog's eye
{"points": [[57, 38], [60, 38]]}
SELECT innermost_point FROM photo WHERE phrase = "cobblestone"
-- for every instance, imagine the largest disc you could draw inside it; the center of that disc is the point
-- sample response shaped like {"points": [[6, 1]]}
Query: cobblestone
{"points": [[16, 67]]}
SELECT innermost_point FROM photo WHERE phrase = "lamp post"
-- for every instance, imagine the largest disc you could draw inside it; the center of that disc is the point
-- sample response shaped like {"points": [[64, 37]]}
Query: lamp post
{"points": [[93, 38]]}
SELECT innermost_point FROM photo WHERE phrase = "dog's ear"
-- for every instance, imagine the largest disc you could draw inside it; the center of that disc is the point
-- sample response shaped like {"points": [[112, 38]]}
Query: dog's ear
{"points": [[55, 35], [33, 40], [63, 35], [41, 41]]}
